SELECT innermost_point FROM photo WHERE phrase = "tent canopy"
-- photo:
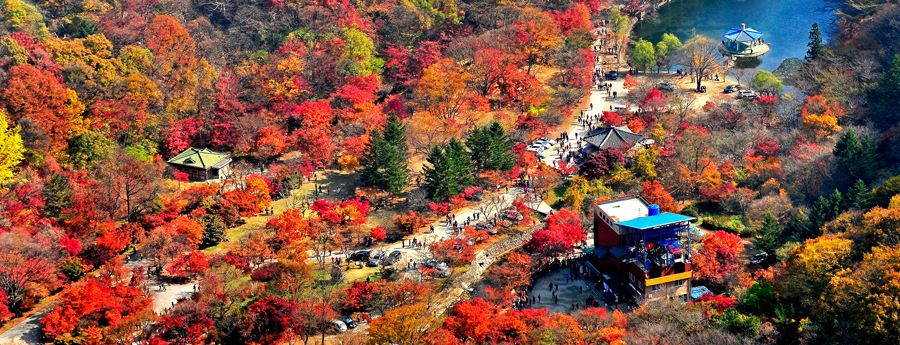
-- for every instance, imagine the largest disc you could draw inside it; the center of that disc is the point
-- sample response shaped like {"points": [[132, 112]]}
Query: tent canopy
{"points": [[743, 34]]}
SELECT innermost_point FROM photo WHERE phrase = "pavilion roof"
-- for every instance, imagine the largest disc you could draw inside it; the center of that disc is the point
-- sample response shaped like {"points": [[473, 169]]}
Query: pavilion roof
{"points": [[613, 137], [201, 158], [744, 34]]}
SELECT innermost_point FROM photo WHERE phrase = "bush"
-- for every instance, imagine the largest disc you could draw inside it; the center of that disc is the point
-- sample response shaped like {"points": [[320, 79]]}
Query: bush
{"points": [[407, 224], [264, 274], [72, 268], [213, 230], [732, 224], [228, 212], [760, 299], [736, 322]]}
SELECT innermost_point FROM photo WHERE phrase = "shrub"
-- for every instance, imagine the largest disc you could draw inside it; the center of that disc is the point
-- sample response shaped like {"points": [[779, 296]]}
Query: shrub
{"points": [[264, 274], [407, 224]]}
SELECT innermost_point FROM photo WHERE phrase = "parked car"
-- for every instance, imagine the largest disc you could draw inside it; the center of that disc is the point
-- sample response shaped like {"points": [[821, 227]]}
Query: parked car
{"points": [[512, 214], [617, 107], [758, 258], [362, 255], [748, 94], [338, 326], [349, 321], [483, 226], [732, 88], [375, 260], [548, 140], [540, 155], [441, 267], [392, 258], [666, 86], [613, 75], [535, 147]]}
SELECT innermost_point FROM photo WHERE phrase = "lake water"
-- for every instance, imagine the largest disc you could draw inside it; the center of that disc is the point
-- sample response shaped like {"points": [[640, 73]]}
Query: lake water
{"points": [[784, 23]]}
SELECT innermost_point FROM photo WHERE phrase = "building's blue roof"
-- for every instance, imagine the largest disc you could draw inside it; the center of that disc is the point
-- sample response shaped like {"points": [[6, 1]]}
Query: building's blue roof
{"points": [[743, 35], [654, 221]]}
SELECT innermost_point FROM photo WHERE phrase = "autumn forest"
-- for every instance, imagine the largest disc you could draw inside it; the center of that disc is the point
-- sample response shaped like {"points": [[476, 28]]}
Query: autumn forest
{"points": [[418, 172]]}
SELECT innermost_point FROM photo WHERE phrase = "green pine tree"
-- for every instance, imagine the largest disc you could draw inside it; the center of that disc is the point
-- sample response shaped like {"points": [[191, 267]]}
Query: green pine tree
{"points": [[768, 236], [887, 94], [461, 167], [384, 165], [856, 159], [491, 148], [395, 134], [479, 143], [373, 160], [395, 176], [858, 196], [825, 210], [816, 48], [439, 182], [502, 157], [57, 194]]}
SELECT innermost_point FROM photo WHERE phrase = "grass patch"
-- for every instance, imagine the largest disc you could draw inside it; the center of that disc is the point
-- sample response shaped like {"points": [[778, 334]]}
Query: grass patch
{"points": [[730, 223], [557, 193]]}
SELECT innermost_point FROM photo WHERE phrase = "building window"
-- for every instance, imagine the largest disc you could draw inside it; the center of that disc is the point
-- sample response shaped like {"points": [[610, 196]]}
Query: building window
{"points": [[656, 287], [684, 298], [631, 276], [679, 282]]}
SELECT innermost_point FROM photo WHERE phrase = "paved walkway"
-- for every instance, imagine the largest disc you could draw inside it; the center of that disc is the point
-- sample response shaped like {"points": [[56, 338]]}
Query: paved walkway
{"points": [[486, 209], [573, 291], [599, 102], [29, 330]]}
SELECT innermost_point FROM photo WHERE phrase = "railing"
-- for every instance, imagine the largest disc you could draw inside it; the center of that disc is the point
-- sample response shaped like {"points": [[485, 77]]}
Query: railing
{"points": [[483, 260]]}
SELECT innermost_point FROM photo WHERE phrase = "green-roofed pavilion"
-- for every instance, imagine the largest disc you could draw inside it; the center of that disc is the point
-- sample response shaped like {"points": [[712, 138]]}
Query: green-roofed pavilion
{"points": [[202, 164]]}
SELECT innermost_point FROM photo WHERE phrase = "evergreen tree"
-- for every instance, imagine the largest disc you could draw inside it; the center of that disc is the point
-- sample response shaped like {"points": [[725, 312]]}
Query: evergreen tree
{"points": [[825, 210], [395, 134], [57, 194], [858, 196], [491, 148], [439, 182], [396, 173], [887, 94], [816, 48], [461, 167], [373, 160], [384, 166], [768, 236], [502, 157], [479, 143], [856, 159]]}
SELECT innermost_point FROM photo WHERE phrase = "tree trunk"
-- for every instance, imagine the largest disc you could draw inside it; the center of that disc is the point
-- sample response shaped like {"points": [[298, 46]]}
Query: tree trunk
{"points": [[699, 80]]}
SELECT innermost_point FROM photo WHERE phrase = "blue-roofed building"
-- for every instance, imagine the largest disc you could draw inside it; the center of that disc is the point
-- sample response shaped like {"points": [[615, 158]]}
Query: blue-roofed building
{"points": [[646, 252], [743, 42]]}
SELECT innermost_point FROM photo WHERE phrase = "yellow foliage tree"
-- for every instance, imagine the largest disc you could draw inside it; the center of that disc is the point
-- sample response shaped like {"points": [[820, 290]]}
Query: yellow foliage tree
{"points": [[810, 267], [870, 293], [884, 224], [444, 93], [349, 162], [11, 149], [260, 190], [405, 325], [821, 126]]}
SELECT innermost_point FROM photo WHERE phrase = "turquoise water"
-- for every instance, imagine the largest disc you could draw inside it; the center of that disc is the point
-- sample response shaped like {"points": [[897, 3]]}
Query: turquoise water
{"points": [[784, 23]]}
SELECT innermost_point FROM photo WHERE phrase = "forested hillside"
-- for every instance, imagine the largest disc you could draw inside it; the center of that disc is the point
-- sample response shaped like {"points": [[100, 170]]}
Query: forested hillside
{"points": [[361, 124]]}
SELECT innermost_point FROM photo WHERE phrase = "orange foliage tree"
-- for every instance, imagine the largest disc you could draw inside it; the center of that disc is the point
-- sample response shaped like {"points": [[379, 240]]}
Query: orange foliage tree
{"points": [[655, 193], [515, 271], [718, 257], [110, 306], [38, 95]]}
